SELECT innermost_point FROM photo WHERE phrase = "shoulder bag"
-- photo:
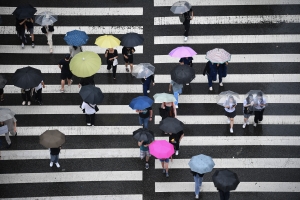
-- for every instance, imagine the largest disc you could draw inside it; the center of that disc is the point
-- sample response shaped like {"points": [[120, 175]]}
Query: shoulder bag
{"points": [[95, 108]]}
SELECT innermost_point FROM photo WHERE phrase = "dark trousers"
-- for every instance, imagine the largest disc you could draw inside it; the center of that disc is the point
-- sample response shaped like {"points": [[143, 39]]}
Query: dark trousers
{"points": [[90, 119], [114, 68], [176, 145], [258, 115], [38, 95], [186, 24], [26, 95], [224, 195], [146, 87]]}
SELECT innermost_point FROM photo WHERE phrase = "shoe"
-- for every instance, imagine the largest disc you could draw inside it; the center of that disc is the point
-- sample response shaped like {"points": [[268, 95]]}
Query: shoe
{"points": [[62, 90], [32, 45], [127, 70], [147, 165], [29, 103], [244, 125], [167, 175], [197, 197], [176, 106], [70, 82], [164, 171], [254, 124], [185, 39], [89, 124], [51, 164], [187, 84], [210, 88], [57, 165], [16, 134], [248, 122], [23, 103], [148, 91], [8, 146], [231, 130], [51, 51], [176, 153], [23, 46], [221, 84], [41, 103], [228, 121]]}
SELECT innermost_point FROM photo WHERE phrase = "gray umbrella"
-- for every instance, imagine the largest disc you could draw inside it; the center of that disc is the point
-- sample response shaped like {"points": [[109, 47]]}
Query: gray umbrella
{"points": [[180, 7], [52, 139], [6, 114], [3, 81], [143, 134], [143, 70]]}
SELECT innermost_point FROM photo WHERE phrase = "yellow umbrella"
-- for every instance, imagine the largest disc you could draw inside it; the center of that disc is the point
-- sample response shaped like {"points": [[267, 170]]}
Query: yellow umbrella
{"points": [[85, 64], [107, 41]]}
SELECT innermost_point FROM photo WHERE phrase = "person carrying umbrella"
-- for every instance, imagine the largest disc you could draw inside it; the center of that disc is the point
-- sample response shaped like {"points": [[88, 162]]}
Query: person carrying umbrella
{"points": [[259, 108], [186, 61], [144, 151], [90, 112], [211, 71], [111, 54], [175, 139], [222, 71], [20, 28], [128, 57], [54, 156], [145, 115], [86, 81], [247, 111], [146, 84], [26, 96], [188, 16], [64, 65], [198, 178], [170, 108], [48, 31], [38, 92], [177, 90], [230, 113], [29, 28]]}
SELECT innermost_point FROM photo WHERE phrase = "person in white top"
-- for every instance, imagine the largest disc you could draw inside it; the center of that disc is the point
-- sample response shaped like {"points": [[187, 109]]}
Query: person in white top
{"points": [[229, 107], [259, 108], [90, 111], [74, 50], [48, 30], [38, 92], [247, 109]]}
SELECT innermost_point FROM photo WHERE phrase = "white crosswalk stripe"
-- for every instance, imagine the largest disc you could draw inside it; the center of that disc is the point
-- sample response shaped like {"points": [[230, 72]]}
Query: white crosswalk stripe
{"points": [[89, 197]]}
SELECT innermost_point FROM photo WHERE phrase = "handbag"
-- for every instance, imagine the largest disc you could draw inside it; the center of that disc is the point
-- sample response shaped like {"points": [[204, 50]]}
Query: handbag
{"points": [[115, 62], [51, 28], [181, 18], [43, 29], [163, 113]]}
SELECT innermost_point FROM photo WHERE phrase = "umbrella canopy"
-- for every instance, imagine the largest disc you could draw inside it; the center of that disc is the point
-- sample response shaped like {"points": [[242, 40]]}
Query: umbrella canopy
{"points": [[201, 164], [143, 70], [163, 97], [76, 38], [143, 134], [91, 94], [3, 81], [225, 180], [24, 11], [45, 18], [171, 125], [131, 40], [107, 41], [218, 56], [27, 77], [182, 52], [260, 100], [227, 98], [180, 7], [183, 74], [140, 103], [52, 138], [6, 114], [85, 64], [161, 149]]}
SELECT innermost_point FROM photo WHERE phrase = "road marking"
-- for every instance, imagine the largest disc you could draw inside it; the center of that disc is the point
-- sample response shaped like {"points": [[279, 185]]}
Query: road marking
{"points": [[228, 39], [239, 119], [76, 11], [89, 197], [237, 58], [59, 177], [97, 30], [228, 2], [71, 154], [242, 187], [238, 141], [57, 49], [247, 19]]}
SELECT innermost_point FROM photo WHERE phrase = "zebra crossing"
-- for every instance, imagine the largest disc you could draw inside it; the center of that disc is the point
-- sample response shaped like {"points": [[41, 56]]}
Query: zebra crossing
{"points": [[102, 162]]}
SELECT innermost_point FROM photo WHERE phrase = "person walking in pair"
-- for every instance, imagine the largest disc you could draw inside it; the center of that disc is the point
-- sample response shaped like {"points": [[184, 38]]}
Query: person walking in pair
{"points": [[64, 65], [48, 31], [146, 84], [111, 55], [29, 28], [198, 178], [54, 156], [144, 151], [222, 72], [145, 116], [90, 112], [259, 108], [211, 71], [175, 139], [247, 109], [38, 92], [128, 57], [177, 90], [11, 129], [188, 16], [230, 112]]}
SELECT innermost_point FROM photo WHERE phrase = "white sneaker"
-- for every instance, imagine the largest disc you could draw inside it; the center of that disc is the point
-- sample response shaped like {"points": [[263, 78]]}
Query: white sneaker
{"points": [[176, 153], [51, 164], [29, 103], [221, 84], [248, 122], [231, 130], [228, 121], [254, 124], [187, 84], [88, 124], [148, 91], [244, 125], [57, 165], [176, 106], [23, 46], [210, 88], [185, 39], [197, 197], [23, 103]]}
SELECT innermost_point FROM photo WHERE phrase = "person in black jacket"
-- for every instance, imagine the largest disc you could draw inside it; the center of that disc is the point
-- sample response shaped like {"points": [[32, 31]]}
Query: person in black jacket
{"points": [[110, 55], [128, 57], [211, 71], [20, 28], [198, 182], [175, 139], [224, 195], [29, 27], [188, 16], [54, 156], [222, 71]]}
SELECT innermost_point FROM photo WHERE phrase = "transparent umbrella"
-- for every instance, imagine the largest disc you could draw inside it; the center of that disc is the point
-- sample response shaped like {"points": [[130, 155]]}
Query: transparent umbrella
{"points": [[227, 98], [45, 18], [143, 70], [259, 100]]}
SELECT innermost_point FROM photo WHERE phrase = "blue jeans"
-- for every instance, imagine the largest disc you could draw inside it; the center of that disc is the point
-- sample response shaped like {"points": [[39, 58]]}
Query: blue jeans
{"points": [[144, 121], [54, 158], [145, 88], [176, 94], [210, 79], [198, 183]]}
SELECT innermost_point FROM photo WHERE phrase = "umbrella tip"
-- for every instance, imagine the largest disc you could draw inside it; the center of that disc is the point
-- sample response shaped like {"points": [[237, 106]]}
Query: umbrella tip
{"points": [[83, 58]]}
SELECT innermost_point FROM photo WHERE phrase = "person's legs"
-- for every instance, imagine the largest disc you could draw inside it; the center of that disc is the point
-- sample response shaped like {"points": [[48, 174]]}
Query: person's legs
{"points": [[145, 88], [93, 118], [52, 158], [87, 119], [23, 96], [141, 121], [39, 95], [209, 81], [114, 71], [62, 83], [50, 42], [226, 195], [221, 195], [176, 94], [231, 122], [131, 67], [187, 28], [197, 186], [146, 120], [167, 167], [27, 93], [7, 139], [256, 116], [109, 64], [261, 113]]}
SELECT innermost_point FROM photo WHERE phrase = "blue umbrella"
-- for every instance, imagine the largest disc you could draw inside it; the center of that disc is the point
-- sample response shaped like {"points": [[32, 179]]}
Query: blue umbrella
{"points": [[140, 103], [201, 164], [76, 38]]}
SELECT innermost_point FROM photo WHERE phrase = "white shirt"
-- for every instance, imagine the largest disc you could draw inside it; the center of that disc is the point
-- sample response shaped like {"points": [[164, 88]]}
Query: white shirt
{"points": [[88, 109], [230, 109], [73, 52], [39, 86], [258, 102]]}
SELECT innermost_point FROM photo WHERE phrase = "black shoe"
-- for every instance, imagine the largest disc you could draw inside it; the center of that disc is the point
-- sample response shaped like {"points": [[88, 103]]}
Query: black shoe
{"points": [[41, 103], [8, 146], [16, 134]]}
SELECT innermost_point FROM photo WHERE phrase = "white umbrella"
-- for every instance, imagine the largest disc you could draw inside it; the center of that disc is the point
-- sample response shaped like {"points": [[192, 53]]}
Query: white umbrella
{"points": [[218, 55], [143, 70], [45, 18]]}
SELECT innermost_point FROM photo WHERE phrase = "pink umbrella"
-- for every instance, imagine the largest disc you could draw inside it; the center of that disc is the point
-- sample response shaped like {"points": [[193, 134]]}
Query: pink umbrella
{"points": [[218, 56], [161, 149], [182, 52]]}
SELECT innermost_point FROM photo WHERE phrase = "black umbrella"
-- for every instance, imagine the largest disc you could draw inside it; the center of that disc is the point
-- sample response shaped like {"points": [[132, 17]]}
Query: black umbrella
{"points": [[3, 81], [171, 125], [27, 77], [143, 134], [225, 180], [131, 40], [91, 94], [24, 11], [182, 74]]}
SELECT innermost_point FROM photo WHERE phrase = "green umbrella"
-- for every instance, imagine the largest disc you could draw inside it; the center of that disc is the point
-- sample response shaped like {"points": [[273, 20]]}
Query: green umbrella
{"points": [[163, 97], [85, 64]]}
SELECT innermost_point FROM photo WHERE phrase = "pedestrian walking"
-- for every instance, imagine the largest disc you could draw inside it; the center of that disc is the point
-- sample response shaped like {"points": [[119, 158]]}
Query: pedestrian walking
{"points": [[145, 116], [175, 139], [20, 28], [29, 28], [146, 84], [74, 50], [54, 156], [259, 108], [177, 90], [188, 16], [247, 104], [90, 112], [198, 183], [38, 93], [64, 65], [222, 72], [170, 108], [144, 151], [165, 165], [48, 31], [12, 129], [224, 195], [86, 81], [128, 57], [230, 113], [1, 94], [111, 56], [186, 61], [26, 96], [211, 71]]}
